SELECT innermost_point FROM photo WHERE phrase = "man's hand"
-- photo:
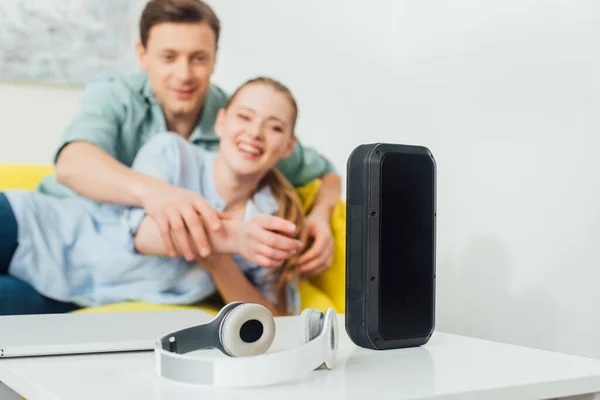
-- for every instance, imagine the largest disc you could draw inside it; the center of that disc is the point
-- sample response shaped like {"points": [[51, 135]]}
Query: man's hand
{"points": [[267, 240], [318, 258], [177, 213]]}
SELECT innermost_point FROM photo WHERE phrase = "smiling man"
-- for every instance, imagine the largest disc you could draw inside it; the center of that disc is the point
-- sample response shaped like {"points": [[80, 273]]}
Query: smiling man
{"points": [[173, 91]]}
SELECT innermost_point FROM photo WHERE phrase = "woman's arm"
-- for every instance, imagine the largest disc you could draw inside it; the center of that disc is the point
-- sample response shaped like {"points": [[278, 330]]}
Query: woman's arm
{"points": [[233, 285]]}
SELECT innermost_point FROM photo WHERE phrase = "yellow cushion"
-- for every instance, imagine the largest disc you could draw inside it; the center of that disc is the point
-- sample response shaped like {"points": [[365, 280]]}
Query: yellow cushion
{"points": [[22, 176], [321, 292], [311, 297], [143, 306]]}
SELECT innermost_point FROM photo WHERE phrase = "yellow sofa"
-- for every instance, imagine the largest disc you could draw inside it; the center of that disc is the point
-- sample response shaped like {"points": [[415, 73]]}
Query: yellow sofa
{"points": [[321, 292]]}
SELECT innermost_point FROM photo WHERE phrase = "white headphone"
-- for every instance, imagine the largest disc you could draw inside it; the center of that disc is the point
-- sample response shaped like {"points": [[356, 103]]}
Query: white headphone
{"points": [[247, 330]]}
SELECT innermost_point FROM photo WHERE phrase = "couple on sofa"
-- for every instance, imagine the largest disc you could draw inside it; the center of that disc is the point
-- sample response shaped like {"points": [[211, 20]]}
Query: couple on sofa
{"points": [[208, 205]]}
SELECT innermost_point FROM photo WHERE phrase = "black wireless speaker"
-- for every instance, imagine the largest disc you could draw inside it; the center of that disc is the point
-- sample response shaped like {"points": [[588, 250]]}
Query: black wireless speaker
{"points": [[390, 246]]}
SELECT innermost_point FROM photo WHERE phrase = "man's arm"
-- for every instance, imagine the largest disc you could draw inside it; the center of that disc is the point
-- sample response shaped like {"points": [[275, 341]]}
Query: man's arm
{"points": [[318, 258], [86, 161], [303, 166], [91, 172], [329, 194]]}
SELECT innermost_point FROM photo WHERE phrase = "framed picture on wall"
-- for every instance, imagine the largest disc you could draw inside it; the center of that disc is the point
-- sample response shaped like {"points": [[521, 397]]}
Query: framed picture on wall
{"points": [[64, 42]]}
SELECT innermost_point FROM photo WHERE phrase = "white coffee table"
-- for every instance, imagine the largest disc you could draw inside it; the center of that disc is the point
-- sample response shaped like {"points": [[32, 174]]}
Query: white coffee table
{"points": [[448, 367]]}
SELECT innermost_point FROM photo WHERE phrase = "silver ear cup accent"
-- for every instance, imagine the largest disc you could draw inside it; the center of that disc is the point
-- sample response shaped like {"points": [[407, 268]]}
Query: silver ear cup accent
{"points": [[330, 327], [312, 320], [316, 323], [247, 330], [305, 325]]}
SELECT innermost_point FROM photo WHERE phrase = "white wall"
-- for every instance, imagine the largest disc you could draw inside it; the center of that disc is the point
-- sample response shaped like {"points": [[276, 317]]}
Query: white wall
{"points": [[504, 93], [32, 119]]}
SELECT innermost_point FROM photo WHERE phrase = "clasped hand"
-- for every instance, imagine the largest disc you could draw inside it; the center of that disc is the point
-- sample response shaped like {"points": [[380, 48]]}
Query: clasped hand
{"points": [[187, 222], [267, 240]]}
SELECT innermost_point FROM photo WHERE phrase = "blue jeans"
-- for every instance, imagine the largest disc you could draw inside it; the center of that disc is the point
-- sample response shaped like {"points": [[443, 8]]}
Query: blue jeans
{"points": [[16, 296]]}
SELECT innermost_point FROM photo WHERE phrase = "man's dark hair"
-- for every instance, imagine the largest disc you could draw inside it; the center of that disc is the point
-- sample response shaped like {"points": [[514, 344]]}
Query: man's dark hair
{"points": [[190, 11]]}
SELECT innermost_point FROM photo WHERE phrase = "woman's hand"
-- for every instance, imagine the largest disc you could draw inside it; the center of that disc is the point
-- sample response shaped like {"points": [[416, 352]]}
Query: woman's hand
{"points": [[267, 240]]}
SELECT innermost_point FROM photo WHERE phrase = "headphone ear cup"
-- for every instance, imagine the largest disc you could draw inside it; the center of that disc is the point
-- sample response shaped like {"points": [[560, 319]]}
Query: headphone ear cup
{"points": [[247, 330], [311, 320]]}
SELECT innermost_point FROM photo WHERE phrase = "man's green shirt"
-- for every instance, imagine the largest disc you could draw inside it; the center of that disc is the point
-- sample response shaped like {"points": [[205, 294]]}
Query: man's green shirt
{"points": [[119, 113]]}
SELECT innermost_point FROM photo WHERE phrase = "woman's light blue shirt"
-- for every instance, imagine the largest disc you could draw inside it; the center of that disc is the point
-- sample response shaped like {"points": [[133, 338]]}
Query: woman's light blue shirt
{"points": [[74, 250]]}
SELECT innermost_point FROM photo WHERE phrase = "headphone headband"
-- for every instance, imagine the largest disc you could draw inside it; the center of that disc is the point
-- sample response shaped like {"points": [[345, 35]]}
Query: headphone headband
{"points": [[225, 333]]}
